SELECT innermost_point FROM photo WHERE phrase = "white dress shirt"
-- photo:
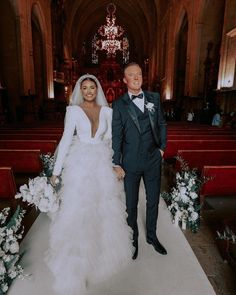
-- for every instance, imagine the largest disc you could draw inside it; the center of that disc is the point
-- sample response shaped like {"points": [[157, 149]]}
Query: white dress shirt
{"points": [[139, 102]]}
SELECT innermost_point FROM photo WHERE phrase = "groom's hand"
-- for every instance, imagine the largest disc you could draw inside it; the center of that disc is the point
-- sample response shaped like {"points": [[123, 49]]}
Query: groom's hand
{"points": [[162, 152], [120, 173]]}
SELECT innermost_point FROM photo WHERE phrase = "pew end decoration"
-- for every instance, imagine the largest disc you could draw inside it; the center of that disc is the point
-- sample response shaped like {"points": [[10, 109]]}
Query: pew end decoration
{"points": [[11, 232], [183, 199], [39, 191]]}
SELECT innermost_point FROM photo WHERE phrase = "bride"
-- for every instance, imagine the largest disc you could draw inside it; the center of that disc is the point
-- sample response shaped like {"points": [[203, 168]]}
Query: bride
{"points": [[89, 237]]}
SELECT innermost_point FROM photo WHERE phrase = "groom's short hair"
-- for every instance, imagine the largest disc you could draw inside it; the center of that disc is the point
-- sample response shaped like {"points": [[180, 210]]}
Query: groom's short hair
{"points": [[133, 63]]}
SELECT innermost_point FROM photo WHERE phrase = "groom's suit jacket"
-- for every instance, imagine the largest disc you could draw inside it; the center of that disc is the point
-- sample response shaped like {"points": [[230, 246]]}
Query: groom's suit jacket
{"points": [[126, 129]]}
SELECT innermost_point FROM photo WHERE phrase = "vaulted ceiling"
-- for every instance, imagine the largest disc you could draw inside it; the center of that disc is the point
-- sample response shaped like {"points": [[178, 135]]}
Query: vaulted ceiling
{"points": [[138, 18]]}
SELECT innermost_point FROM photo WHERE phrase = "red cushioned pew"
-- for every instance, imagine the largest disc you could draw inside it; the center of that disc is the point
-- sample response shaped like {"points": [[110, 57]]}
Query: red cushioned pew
{"points": [[24, 163], [222, 182], [201, 137], [200, 158], [174, 145], [7, 183], [46, 146], [32, 136]]}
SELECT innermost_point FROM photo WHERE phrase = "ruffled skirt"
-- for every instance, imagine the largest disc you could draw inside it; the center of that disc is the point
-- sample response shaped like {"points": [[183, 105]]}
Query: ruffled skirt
{"points": [[89, 237]]}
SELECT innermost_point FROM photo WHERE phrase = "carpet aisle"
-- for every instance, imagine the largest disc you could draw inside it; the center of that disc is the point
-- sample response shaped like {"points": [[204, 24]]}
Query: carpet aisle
{"points": [[178, 273]]}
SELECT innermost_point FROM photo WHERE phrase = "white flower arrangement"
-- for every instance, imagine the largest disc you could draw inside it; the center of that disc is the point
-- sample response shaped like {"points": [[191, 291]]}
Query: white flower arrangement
{"points": [[41, 193], [150, 107], [10, 232], [183, 199]]}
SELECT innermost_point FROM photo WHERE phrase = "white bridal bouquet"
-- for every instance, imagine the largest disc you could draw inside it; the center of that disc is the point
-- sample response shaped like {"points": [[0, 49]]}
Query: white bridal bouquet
{"points": [[183, 199], [10, 232], [39, 191]]}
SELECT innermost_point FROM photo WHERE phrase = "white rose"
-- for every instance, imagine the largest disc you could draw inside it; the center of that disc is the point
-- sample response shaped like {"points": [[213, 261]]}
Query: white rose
{"points": [[12, 274], [43, 205], [40, 183], [193, 195], [23, 188], [48, 191], [4, 287], [7, 258], [194, 216], [14, 247]]}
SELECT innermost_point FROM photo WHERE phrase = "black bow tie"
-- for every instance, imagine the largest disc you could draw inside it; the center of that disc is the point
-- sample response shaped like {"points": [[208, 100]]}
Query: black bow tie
{"points": [[140, 95]]}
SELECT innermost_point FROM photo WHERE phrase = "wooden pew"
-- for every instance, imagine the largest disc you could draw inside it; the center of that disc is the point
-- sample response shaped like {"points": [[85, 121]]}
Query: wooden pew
{"points": [[201, 137], [223, 182], [31, 131], [174, 145], [45, 146], [32, 136], [200, 158], [206, 132], [7, 183], [25, 163]]}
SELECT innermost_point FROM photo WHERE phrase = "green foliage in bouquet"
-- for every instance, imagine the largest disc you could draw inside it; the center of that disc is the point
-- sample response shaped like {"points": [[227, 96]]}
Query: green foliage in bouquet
{"points": [[48, 164], [11, 232]]}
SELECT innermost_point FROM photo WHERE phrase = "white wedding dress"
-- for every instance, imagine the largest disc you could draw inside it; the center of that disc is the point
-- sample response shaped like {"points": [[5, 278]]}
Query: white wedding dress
{"points": [[89, 237]]}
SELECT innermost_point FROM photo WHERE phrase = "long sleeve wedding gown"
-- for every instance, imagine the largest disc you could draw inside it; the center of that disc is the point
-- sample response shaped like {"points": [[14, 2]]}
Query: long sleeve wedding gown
{"points": [[89, 237]]}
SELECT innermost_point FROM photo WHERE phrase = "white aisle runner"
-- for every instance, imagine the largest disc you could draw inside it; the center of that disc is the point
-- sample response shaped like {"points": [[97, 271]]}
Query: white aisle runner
{"points": [[177, 273]]}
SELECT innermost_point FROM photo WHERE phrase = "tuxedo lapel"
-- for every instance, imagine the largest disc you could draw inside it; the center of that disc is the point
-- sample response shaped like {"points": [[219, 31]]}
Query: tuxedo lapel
{"points": [[152, 115], [131, 111]]}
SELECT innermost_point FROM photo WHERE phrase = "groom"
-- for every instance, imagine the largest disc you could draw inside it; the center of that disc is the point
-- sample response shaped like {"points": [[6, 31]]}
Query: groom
{"points": [[138, 141]]}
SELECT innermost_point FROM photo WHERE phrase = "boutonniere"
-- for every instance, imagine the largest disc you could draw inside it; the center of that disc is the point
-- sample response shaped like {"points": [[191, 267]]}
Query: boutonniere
{"points": [[150, 107]]}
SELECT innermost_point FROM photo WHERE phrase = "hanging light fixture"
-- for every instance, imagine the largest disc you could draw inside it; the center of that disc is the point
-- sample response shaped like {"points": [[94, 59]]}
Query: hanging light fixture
{"points": [[112, 37]]}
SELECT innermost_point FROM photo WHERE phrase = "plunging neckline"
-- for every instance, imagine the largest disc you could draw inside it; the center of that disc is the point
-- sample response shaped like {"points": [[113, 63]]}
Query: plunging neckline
{"points": [[90, 123]]}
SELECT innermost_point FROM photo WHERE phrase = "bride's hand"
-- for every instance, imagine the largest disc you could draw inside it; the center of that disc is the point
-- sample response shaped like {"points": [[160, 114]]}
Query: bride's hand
{"points": [[120, 173], [54, 180]]}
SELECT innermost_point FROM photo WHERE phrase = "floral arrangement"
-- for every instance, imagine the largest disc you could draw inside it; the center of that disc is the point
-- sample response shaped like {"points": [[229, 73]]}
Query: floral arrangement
{"points": [[183, 199], [39, 191], [10, 232], [228, 235]]}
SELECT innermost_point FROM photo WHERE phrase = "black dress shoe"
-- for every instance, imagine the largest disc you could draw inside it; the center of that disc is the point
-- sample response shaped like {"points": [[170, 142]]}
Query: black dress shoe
{"points": [[157, 245], [135, 254]]}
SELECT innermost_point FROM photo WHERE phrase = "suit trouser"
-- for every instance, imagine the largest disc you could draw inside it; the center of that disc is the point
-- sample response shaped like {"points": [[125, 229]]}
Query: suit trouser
{"points": [[150, 170]]}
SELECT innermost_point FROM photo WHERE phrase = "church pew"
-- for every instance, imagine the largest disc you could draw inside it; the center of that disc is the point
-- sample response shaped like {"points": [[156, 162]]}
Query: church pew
{"points": [[7, 181], [201, 137], [207, 132], [32, 136], [174, 145], [200, 158], [32, 130], [222, 182], [45, 146], [25, 163]]}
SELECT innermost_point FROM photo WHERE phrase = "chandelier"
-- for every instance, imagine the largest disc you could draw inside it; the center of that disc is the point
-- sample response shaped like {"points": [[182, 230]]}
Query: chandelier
{"points": [[110, 37]]}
